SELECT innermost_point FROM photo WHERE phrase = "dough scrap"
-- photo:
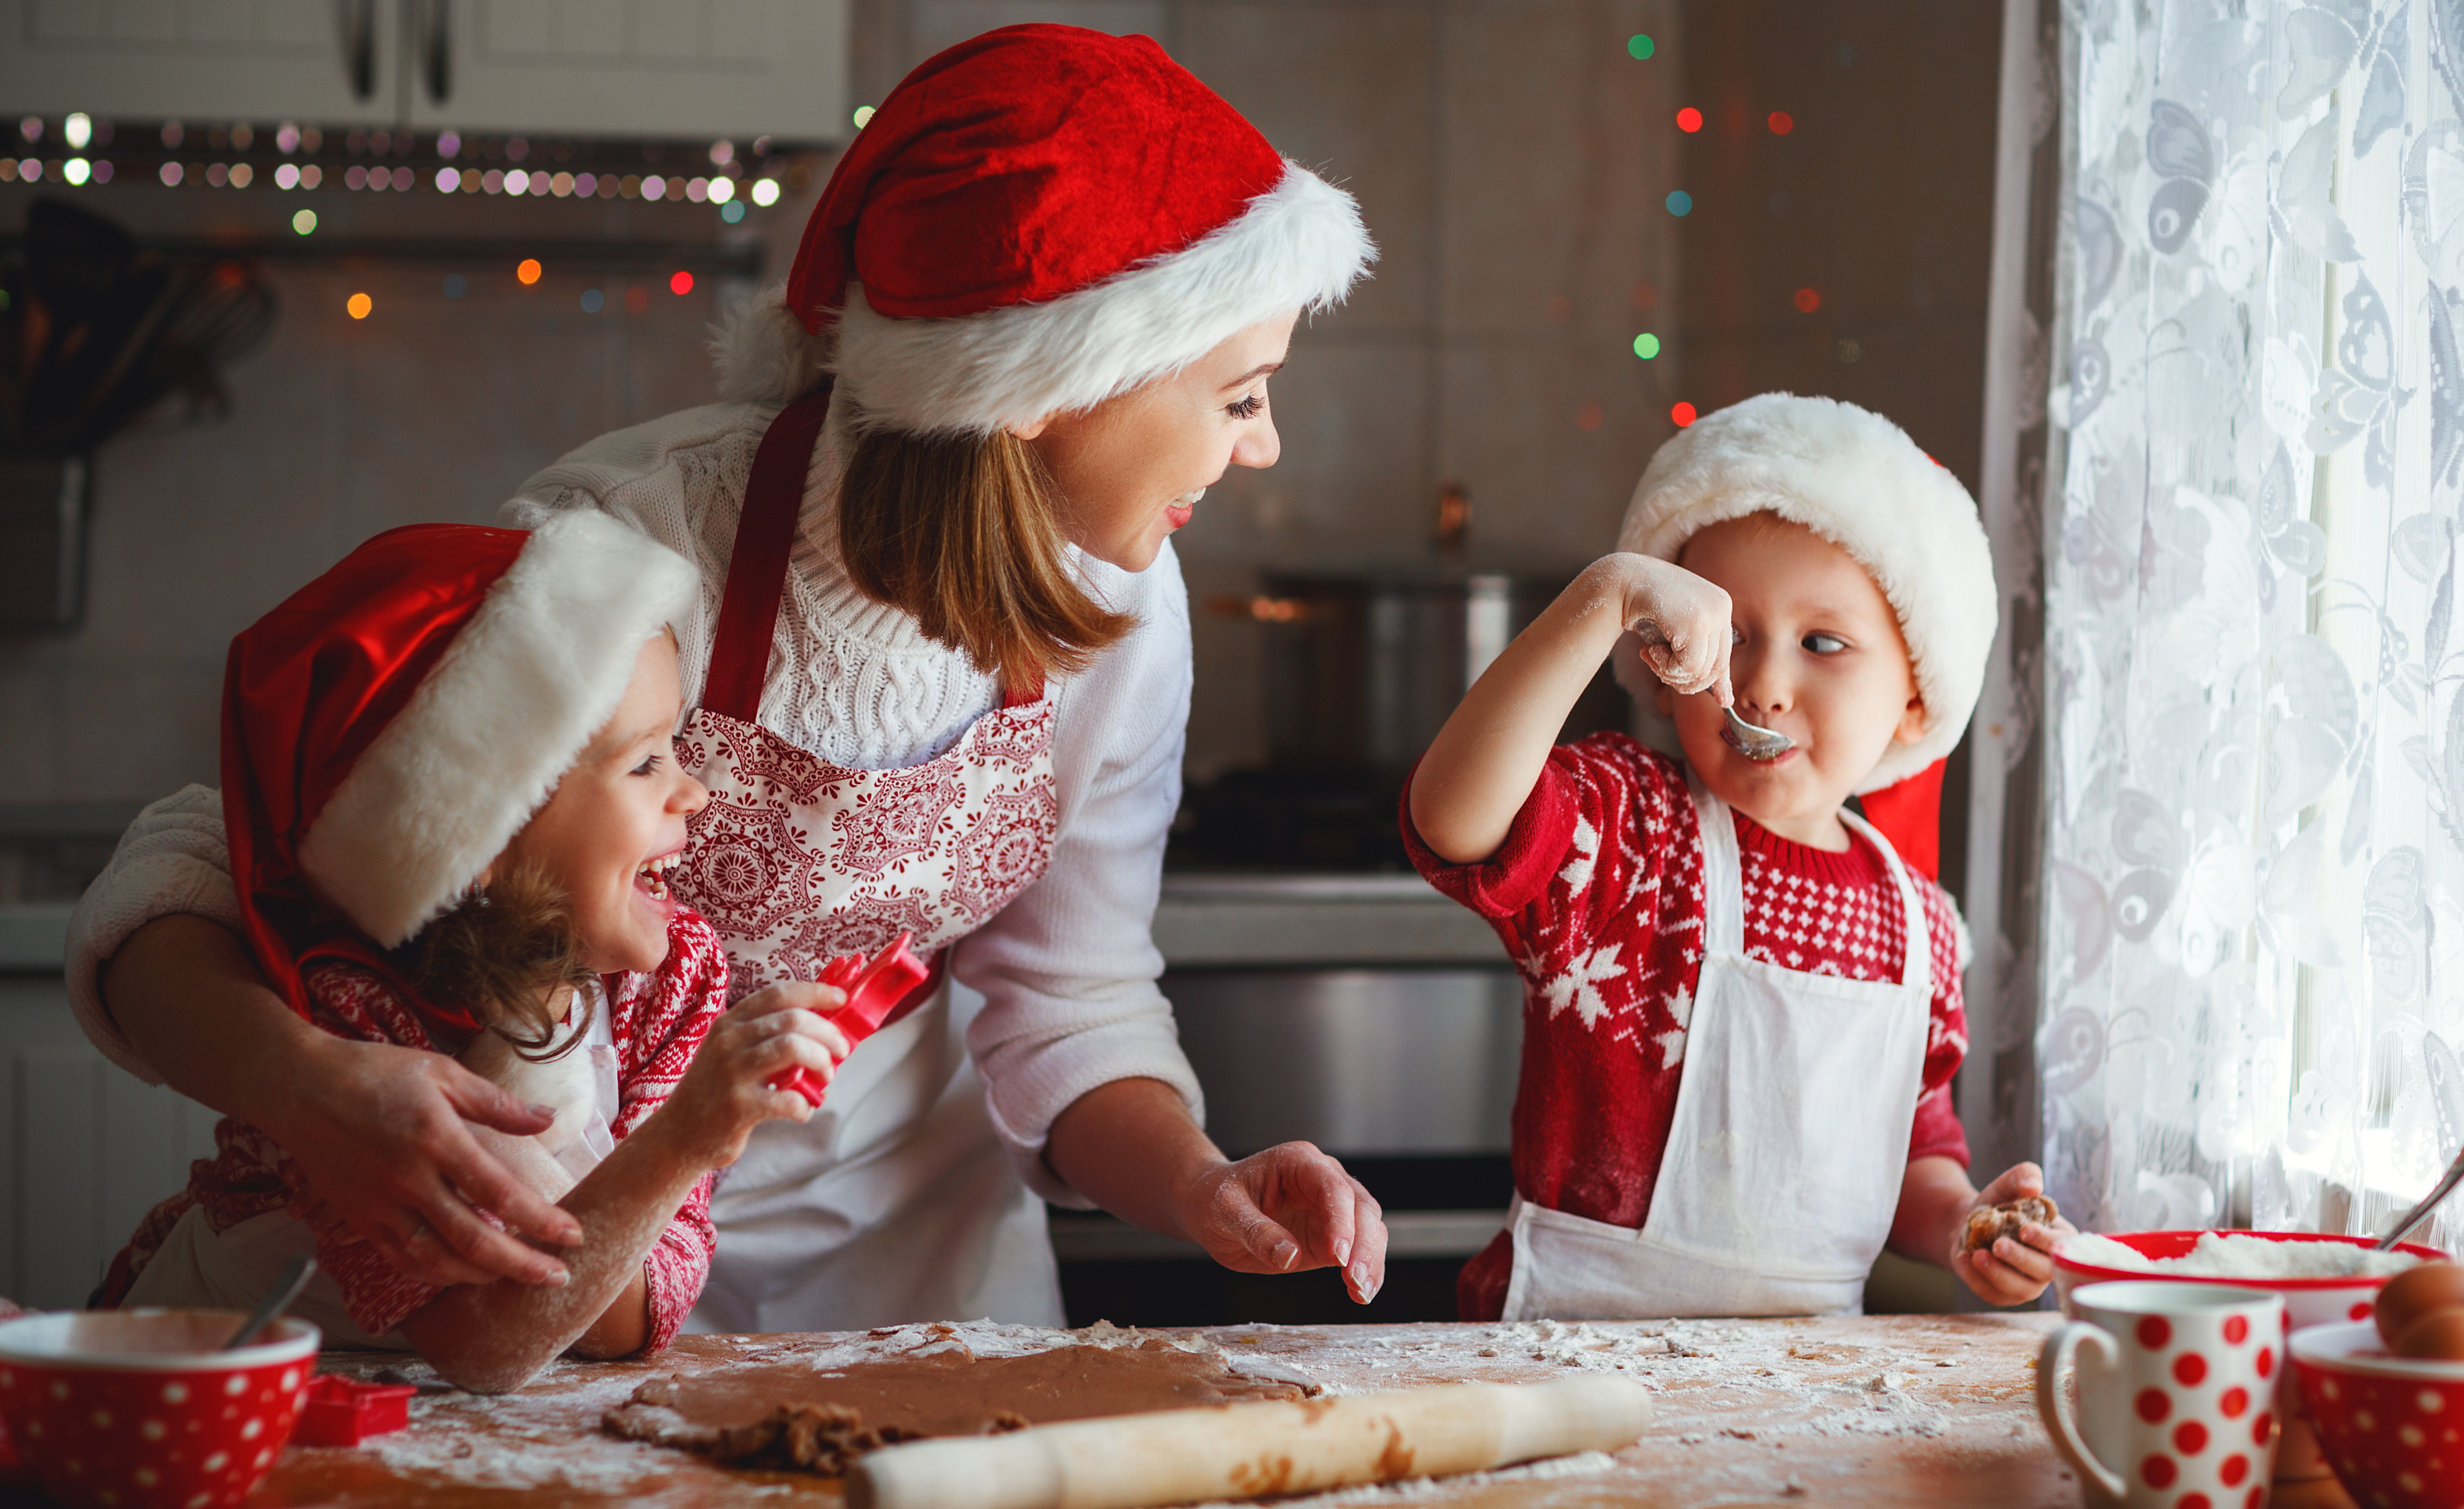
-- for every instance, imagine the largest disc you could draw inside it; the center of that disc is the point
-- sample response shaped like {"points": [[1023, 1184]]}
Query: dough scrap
{"points": [[782, 1415], [1985, 1225]]}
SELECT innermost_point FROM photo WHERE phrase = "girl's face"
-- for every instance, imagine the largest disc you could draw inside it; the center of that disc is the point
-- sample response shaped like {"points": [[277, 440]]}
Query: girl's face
{"points": [[617, 822], [1818, 656], [1133, 468]]}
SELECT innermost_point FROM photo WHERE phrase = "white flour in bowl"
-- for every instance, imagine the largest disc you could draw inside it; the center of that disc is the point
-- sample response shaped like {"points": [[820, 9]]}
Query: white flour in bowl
{"points": [[2229, 1255]]}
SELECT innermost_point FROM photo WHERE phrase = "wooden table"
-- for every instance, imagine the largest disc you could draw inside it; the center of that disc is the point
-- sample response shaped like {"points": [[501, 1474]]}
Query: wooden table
{"points": [[1901, 1410]]}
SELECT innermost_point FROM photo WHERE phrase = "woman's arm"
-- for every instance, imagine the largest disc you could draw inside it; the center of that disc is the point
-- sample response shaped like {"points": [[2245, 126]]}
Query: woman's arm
{"points": [[490, 1338], [1132, 1148], [1482, 764], [378, 1130]]}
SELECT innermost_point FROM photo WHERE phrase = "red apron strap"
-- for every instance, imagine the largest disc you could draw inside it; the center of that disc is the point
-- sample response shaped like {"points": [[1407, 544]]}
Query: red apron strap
{"points": [[757, 568]]}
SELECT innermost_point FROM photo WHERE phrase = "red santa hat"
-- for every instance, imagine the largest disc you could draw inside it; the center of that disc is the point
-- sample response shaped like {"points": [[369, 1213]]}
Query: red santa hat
{"points": [[1035, 221], [390, 726], [1858, 480]]}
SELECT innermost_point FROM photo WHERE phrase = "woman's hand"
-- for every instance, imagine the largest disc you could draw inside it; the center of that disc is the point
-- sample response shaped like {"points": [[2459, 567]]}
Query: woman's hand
{"points": [[1285, 1210], [1681, 620], [2010, 1271], [726, 1093]]}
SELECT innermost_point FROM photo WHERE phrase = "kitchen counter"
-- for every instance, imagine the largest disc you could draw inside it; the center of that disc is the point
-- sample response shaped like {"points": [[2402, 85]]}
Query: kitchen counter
{"points": [[1235, 921], [1934, 1409]]}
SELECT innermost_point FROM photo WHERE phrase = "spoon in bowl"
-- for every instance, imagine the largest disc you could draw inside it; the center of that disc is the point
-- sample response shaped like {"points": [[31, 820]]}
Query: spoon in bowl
{"points": [[287, 1284], [2419, 1214], [1753, 743]]}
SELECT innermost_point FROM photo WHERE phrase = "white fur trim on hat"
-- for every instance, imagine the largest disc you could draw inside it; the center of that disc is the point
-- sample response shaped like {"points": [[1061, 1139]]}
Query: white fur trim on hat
{"points": [[538, 670], [1300, 245], [1858, 480]]}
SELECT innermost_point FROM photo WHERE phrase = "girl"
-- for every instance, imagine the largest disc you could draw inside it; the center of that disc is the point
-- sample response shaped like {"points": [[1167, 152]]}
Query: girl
{"points": [[452, 799]]}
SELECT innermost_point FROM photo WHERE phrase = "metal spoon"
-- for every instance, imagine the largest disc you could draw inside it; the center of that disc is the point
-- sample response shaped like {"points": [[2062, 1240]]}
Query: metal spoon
{"points": [[2419, 1214], [1753, 743], [287, 1284]]}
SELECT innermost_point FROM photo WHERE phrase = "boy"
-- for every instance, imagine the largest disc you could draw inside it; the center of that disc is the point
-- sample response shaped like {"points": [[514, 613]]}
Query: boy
{"points": [[1742, 1011]]}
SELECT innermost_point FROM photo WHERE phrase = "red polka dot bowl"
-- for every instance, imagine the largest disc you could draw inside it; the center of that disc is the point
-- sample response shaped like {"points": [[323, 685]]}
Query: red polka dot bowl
{"points": [[135, 1408], [2391, 1427], [2307, 1302]]}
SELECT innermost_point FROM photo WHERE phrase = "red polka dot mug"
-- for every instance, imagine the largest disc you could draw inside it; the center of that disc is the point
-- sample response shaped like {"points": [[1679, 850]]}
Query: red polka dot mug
{"points": [[2176, 1405], [135, 1408]]}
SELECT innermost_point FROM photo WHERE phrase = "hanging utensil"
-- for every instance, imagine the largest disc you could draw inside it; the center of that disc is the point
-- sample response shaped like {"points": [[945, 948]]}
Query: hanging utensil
{"points": [[1753, 743], [287, 1284]]}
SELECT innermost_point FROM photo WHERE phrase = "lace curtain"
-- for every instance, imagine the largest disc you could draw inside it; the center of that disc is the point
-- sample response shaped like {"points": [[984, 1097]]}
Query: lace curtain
{"points": [[2249, 927]]}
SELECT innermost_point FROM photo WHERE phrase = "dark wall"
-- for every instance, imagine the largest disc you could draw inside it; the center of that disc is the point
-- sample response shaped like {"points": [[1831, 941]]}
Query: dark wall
{"points": [[1879, 199]]}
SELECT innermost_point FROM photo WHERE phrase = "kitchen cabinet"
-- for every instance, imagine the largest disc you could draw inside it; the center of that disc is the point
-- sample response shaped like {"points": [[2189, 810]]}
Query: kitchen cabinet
{"points": [[202, 60], [631, 68]]}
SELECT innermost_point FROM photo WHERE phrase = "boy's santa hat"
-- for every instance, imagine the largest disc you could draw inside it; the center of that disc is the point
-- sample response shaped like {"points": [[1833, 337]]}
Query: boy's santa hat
{"points": [[390, 726], [1858, 480], [1034, 221]]}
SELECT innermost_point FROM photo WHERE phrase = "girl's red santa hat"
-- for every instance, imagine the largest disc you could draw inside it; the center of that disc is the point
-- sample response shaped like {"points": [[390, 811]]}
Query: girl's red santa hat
{"points": [[1037, 220], [1859, 481], [390, 726]]}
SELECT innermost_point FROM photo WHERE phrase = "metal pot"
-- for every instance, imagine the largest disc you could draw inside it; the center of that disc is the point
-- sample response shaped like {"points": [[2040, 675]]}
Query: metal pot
{"points": [[1362, 667]]}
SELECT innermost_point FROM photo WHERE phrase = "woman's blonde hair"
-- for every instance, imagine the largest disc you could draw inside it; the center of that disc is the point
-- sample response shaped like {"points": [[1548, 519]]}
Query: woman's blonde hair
{"points": [[964, 533], [504, 954]]}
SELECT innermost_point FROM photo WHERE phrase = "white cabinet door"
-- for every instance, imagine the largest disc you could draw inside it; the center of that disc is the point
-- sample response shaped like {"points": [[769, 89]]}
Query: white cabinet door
{"points": [[331, 61], [646, 68]]}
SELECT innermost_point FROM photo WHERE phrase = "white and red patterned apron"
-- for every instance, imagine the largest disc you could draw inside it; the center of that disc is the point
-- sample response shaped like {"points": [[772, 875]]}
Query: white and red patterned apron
{"points": [[895, 1202]]}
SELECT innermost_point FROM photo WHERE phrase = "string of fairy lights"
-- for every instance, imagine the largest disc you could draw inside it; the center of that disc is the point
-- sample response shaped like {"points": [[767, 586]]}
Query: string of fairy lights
{"points": [[306, 160], [1680, 202]]}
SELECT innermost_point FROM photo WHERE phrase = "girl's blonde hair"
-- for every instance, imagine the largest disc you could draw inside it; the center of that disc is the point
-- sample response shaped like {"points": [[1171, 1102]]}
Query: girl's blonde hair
{"points": [[964, 533], [503, 953]]}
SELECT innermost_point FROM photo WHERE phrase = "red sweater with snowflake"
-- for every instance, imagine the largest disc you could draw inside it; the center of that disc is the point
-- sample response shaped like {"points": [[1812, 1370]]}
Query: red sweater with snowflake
{"points": [[1597, 893], [657, 1020]]}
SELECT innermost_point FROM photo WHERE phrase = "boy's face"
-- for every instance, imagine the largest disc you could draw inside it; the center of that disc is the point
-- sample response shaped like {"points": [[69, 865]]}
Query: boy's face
{"points": [[1818, 656]]}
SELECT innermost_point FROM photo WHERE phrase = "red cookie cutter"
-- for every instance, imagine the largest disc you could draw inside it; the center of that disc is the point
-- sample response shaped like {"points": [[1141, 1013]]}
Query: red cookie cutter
{"points": [[873, 991], [343, 1411]]}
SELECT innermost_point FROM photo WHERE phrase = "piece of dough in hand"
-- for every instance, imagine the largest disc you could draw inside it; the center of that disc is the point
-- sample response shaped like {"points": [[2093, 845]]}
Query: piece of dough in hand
{"points": [[2006, 1220]]}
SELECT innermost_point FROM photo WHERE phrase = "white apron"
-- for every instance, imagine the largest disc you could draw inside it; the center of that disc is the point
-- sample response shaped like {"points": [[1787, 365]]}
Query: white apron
{"points": [[1790, 1143], [895, 1202]]}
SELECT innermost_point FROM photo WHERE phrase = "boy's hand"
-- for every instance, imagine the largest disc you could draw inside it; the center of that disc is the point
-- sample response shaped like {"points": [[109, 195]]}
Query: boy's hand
{"points": [[2010, 1271], [1682, 622], [724, 1095]]}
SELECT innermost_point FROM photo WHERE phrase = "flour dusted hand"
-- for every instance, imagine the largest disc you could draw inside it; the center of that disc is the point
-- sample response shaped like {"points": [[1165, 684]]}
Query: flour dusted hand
{"points": [[2017, 1226], [1988, 1224], [1680, 619], [725, 1093]]}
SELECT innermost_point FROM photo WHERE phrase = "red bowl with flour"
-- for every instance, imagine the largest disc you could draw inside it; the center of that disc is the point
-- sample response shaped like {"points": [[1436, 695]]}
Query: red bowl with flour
{"points": [[135, 1408], [2310, 1299]]}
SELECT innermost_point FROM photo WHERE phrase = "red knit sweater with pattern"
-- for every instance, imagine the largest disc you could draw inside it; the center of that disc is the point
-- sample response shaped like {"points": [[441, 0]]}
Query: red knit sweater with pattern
{"points": [[1598, 894], [657, 1019]]}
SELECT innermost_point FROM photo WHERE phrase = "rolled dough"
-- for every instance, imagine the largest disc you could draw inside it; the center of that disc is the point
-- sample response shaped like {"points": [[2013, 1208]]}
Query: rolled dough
{"points": [[780, 1415]]}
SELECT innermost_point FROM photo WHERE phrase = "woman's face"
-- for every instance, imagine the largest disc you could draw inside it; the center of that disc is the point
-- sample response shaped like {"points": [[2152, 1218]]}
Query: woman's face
{"points": [[1133, 468], [616, 823]]}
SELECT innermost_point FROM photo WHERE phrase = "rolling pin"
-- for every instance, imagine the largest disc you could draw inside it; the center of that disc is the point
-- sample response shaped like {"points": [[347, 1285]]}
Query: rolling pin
{"points": [[1245, 1451]]}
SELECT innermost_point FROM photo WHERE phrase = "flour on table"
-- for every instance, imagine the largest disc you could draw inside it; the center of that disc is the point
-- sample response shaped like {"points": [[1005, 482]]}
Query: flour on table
{"points": [[2227, 1255]]}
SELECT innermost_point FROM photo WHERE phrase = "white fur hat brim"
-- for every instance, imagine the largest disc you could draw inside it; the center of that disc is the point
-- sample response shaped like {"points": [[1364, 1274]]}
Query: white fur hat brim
{"points": [[1297, 248], [483, 742], [1858, 480]]}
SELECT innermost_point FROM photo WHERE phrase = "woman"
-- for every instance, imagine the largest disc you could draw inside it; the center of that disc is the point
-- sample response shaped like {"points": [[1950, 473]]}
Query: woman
{"points": [[940, 671]]}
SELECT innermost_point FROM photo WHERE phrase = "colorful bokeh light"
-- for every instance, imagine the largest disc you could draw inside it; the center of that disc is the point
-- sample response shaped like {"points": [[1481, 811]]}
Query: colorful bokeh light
{"points": [[1808, 300], [529, 270], [1640, 47], [1782, 122], [681, 284], [1646, 345], [360, 305], [1684, 414], [1680, 203], [1689, 120]]}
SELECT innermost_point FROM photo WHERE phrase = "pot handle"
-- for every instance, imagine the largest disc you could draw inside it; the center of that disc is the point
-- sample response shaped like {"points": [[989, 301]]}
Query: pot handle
{"points": [[2051, 1362]]}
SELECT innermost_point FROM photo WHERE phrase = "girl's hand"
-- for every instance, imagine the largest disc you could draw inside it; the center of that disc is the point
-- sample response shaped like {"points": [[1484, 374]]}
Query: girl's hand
{"points": [[1682, 622], [724, 1095], [2010, 1271]]}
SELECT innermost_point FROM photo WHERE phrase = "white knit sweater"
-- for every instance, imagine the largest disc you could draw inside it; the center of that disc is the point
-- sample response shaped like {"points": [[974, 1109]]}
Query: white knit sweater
{"points": [[1068, 969]]}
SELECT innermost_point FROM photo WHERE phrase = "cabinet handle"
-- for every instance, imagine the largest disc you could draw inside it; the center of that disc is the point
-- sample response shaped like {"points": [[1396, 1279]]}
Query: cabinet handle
{"points": [[360, 49], [440, 51]]}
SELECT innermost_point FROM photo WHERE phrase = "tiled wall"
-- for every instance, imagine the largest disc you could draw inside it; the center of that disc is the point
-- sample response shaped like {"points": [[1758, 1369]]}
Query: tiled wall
{"points": [[1510, 158]]}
